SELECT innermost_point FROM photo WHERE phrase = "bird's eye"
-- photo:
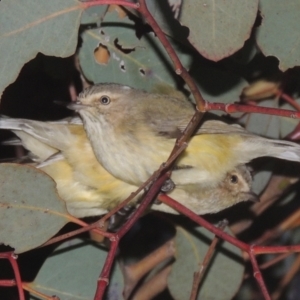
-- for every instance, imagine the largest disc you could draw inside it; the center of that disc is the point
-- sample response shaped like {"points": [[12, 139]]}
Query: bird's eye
{"points": [[105, 100], [234, 179]]}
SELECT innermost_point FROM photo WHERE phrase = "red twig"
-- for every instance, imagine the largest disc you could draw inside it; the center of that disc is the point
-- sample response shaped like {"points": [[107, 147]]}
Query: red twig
{"points": [[199, 220], [103, 279], [110, 2], [274, 261], [28, 287], [275, 249], [104, 276], [251, 250], [8, 282], [199, 275], [232, 108], [289, 100], [11, 257], [76, 232], [179, 69], [257, 275], [243, 246]]}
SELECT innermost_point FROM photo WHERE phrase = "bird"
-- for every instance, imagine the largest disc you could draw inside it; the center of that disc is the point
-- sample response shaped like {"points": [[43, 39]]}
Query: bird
{"points": [[132, 132], [63, 151], [202, 199]]}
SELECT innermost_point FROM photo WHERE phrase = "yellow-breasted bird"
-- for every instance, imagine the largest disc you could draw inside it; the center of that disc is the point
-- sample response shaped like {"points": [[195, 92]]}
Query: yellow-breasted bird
{"points": [[132, 132], [63, 151]]}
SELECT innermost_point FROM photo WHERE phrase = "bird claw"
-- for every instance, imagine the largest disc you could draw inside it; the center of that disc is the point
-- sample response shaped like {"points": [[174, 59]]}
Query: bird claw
{"points": [[120, 217], [168, 186]]}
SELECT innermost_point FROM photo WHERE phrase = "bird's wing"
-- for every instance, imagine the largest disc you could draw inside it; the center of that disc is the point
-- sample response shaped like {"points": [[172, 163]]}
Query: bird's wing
{"points": [[220, 127], [172, 122], [58, 156]]}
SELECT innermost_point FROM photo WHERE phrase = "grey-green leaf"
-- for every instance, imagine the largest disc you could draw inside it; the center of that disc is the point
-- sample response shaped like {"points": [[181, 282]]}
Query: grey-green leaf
{"points": [[279, 32], [223, 276], [128, 59], [72, 272], [218, 28], [31, 211], [32, 26]]}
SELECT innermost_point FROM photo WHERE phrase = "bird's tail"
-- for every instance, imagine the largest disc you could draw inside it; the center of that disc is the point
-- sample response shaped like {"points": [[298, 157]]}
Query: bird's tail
{"points": [[286, 150], [258, 147], [11, 124]]}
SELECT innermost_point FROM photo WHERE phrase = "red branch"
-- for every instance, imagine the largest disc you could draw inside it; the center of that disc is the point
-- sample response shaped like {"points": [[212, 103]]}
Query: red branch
{"points": [[233, 108], [11, 257], [257, 275], [252, 250], [105, 273], [179, 69], [88, 4]]}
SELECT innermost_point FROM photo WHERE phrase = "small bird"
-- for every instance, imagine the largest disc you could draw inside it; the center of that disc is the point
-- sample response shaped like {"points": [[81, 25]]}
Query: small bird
{"points": [[63, 151], [132, 132], [202, 199]]}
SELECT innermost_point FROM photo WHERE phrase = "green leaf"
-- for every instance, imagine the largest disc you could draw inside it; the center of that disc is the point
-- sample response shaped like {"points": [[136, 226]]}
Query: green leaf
{"points": [[162, 12], [32, 26], [223, 276], [279, 32], [72, 272], [142, 62], [31, 211], [93, 14], [218, 28]]}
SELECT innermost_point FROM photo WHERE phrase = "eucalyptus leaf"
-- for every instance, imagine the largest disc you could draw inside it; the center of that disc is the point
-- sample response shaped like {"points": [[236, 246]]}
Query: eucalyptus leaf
{"points": [[113, 53], [32, 26], [72, 272], [218, 28], [31, 211], [224, 275], [279, 32], [93, 14]]}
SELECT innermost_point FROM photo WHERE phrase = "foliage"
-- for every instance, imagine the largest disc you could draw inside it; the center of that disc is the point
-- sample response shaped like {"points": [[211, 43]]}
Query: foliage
{"points": [[225, 46]]}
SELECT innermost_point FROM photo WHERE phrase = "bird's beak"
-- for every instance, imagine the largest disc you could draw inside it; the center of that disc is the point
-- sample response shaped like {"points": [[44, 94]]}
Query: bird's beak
{"points": [[77, 106], [252, 197]]}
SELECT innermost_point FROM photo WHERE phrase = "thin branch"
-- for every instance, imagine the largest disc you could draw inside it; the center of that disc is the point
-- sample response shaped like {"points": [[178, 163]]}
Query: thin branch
{"points": [[179, 69], [68, 235], [274, 261], [258, 276], [28, 287], [232, 108], [290, 100], [8, 282], [109, 2], [199, 220], [11, 257], [199, 275], [105, 273]]}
